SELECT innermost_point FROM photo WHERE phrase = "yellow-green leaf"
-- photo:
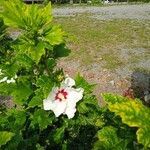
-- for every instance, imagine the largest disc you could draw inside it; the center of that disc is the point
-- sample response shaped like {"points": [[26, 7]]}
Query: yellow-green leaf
{"points": [[143, 136], [55, 36], [5, 136], [133, 113], [108, 140]]}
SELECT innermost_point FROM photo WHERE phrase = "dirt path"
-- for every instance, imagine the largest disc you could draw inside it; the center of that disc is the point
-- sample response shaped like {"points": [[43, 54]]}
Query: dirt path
{"points": [[108, 12]]}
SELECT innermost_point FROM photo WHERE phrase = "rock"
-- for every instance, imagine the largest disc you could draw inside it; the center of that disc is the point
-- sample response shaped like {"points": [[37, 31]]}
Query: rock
{"points": [[147, 97], [112, 82]]}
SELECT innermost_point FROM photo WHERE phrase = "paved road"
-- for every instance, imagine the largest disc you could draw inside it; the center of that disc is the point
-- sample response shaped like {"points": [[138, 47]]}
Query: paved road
{"points": [[109, 12]]}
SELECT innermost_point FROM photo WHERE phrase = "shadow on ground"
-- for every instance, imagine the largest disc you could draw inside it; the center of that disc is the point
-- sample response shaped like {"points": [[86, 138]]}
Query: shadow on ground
{"points": [[140, 84]]}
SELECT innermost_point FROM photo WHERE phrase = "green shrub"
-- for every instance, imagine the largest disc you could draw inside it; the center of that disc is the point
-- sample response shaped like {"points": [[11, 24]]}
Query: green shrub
{"points": [[31, 74], [43, 116], [134, 114]]}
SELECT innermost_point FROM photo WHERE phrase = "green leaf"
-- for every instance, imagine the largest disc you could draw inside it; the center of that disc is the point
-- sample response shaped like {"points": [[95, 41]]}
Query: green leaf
{"points": [[32, 51], [21, 92], [88, 104], [45, 84], [13, 144], [133, 113], [108, 140], [113, 99], [35, 101], [36, 52], [42, 119], [6, 89], [16, 118], [57, 135], [100, 122], [51, 63], [12, 17], [143, 136], [39, 147], [85, 120], [82, 108], [5, 136], [27, 17], [37, 32], [54, 36], [81, 82], [61, 51], [10, 68], [3, 120], [24, 61]]}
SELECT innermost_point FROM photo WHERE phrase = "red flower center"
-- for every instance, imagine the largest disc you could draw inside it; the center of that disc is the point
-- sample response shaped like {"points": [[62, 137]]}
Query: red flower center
{"points": [[61, 95]]}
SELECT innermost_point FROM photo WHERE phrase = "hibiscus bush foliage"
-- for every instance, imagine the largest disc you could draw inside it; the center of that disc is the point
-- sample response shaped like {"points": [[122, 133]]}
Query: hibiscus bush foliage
{"points": [[5, 41], [29, 73], [134, 114], [49, 110]]}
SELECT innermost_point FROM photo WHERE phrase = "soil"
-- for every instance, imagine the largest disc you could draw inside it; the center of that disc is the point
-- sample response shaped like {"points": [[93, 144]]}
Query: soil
{"points": [[116, 81], [108, 12], [122, 78]]}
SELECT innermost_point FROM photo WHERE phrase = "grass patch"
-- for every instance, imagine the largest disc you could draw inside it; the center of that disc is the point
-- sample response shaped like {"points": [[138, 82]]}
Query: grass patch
{"points": [[104, 39], [112, 61]]}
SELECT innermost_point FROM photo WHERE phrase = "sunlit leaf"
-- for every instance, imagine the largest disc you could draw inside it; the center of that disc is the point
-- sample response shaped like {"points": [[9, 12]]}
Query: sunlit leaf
{"points": [[27, 17], [5, 136], [57, 135], [108, 140], [143, 136], [45, 84], [42, 119], [133, 113], [21, 92], [16, 118], [55, 36]]}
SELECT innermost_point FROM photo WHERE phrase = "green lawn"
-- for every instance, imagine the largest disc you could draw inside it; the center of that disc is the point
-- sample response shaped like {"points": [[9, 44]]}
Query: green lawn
{"points": [[104, 42]]}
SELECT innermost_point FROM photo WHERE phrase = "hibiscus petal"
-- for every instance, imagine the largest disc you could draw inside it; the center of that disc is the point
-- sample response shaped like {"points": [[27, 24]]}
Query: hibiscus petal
{"points": [[11, 81], [3, 80], [56, 106], [74, 96], [70, 112], [48, 105], [52, 94], [69, 82], [59, 108]]}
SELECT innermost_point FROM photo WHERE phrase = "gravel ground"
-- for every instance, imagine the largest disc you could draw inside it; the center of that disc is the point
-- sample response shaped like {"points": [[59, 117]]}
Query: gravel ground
{"points": [[122, 78], [106, 80], [108, 12], [116, 81]]}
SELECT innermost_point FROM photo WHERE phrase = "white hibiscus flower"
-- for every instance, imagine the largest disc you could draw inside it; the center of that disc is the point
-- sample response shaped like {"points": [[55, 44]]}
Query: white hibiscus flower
{"points": [[5, 79], [1, 72], [63, 100]]}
